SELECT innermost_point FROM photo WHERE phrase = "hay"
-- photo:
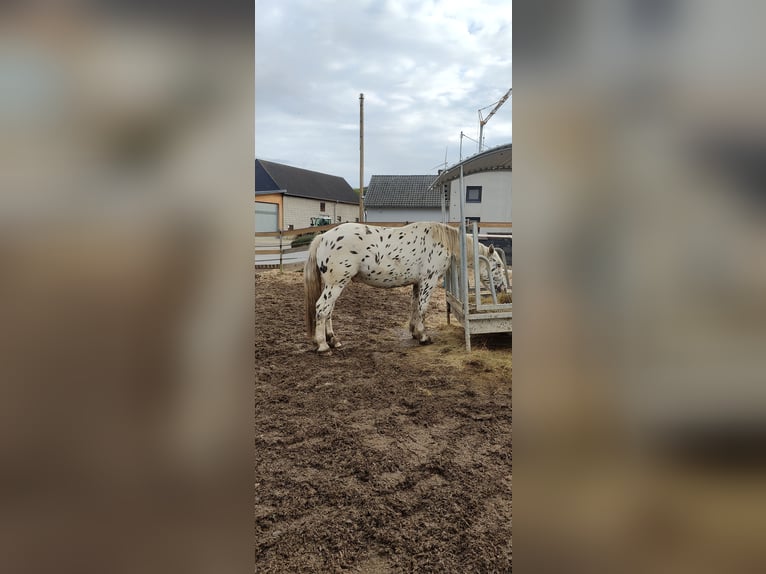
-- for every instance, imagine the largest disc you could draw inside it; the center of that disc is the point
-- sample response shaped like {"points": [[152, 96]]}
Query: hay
{"points": [[486, 299]]}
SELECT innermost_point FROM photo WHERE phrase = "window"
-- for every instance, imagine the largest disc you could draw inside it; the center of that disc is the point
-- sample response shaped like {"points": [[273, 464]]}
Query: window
{"points": [[321, 206], [468, 221], [473, 194], [266, 216]]}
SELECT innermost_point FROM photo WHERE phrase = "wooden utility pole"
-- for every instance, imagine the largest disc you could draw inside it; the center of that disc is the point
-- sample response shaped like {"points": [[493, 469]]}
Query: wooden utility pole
{"points": [[361, 157]]}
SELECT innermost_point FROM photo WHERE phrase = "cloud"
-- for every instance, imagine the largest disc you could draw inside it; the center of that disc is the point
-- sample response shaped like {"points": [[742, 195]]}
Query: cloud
{"points": [[425, 68]]}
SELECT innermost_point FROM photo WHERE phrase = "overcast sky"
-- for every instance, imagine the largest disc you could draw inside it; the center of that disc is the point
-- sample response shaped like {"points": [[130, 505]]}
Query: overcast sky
{"points": [[425, 68]]}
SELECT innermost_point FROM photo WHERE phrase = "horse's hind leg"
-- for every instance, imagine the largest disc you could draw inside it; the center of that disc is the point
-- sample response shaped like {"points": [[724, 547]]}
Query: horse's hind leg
{"points": [[325, 305], [332, 340], [414, 312]]}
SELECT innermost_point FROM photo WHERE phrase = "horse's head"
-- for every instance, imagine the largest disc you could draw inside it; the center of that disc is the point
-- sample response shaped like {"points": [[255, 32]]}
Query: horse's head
{"points": [[496, 269]]}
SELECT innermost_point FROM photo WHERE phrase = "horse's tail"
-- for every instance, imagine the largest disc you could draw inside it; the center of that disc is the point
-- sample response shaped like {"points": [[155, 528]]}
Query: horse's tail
{"points": [[312, 285]]}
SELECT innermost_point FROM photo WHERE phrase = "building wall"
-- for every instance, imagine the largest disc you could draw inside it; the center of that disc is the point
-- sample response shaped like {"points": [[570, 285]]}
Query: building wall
{"points": [[298, 211], [403, 214], [274, 198], [495, 200]]}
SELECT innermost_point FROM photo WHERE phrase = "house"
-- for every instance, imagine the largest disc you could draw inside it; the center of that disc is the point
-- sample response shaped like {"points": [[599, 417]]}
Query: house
{"points": [[402, 198], [288, 197], [487, 181]]}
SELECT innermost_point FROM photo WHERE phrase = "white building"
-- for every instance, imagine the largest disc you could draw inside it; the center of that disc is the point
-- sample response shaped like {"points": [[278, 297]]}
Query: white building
{"points": [[487, 193], [287, 197], [487, 181]]}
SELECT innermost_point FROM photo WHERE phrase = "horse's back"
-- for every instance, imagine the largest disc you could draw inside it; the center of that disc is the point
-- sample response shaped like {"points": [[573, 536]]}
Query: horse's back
{"points": [[403, 256]]}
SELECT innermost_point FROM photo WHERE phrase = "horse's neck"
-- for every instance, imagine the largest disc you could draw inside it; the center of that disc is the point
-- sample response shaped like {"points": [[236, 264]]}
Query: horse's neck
{"points": [[469, 248], [451, 237]]}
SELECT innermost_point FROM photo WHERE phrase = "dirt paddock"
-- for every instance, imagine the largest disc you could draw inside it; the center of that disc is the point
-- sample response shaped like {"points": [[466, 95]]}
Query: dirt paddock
{"points": [[386, 456]]}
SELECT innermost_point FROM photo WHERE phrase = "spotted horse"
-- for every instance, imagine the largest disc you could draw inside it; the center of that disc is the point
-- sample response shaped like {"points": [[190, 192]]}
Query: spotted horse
{"points": [[416, 254]]}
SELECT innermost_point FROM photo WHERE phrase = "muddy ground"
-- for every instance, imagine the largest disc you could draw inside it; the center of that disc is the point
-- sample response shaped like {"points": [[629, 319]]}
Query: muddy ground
{"points": [[386, 456]]}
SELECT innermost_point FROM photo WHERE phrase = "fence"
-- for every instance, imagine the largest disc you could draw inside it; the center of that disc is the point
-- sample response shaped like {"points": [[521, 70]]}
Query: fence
{"points": [[273, 249]]}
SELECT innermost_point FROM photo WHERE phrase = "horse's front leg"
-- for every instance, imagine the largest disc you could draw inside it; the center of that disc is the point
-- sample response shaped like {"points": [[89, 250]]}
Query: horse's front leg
{"points": [[426, 290]]}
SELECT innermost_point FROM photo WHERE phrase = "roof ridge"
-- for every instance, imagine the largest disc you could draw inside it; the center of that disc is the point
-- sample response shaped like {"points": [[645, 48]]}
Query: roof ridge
{"points": [[302, 182], [298, 168]]}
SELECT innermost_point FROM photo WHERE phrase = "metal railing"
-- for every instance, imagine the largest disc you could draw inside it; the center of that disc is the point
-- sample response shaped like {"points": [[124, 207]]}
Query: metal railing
{"points": [[477, 317]]}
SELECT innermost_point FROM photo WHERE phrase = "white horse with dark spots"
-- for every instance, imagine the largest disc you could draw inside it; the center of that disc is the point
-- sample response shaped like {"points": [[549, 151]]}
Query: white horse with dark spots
{"points": [[416, 254]]}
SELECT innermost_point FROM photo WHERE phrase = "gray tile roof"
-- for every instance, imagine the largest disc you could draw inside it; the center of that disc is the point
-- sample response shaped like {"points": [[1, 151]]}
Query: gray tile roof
{"points": [[401, 191], [300, 182]]}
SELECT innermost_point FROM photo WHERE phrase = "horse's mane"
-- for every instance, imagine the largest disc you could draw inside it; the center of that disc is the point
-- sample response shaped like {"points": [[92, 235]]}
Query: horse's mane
{"points": [[450, 237]]}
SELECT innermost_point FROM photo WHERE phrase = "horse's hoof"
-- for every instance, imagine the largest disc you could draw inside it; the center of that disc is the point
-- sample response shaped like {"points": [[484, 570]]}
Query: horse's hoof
{"points": [[333, 342], [324, 350], [426, 341]]}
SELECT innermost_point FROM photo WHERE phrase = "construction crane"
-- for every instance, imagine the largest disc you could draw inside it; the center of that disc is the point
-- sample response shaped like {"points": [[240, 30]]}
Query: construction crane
{"points": [[483, 121]]}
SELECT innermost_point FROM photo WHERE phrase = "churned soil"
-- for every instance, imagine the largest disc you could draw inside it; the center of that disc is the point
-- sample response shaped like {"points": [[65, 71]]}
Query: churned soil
{"points": [[386, 456]]}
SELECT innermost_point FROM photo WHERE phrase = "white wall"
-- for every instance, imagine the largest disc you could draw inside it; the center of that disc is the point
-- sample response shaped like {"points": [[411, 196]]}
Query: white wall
{"points": [[495, 198], [299, 211], [403, 214]]}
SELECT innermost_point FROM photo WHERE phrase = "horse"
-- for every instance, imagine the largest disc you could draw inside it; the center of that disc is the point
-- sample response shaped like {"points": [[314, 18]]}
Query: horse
{"points": [[416, 254]]}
